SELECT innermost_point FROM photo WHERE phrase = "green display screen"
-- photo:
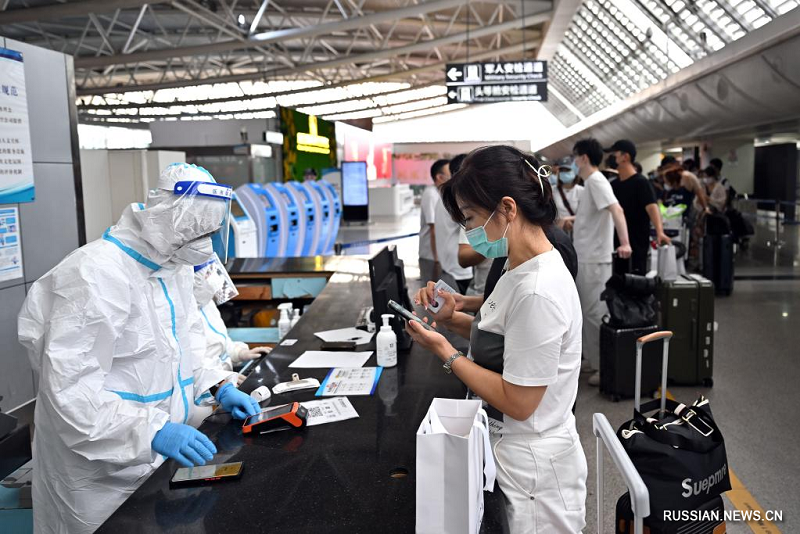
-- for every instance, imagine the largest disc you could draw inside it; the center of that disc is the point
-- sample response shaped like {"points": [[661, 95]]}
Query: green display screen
{"points": [[308, 143]]}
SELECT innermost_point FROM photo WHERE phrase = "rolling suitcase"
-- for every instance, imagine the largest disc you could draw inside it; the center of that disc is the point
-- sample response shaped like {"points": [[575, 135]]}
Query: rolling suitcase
{"points": [[708, 518], [718, 262], [618, 363], [687, 309]]}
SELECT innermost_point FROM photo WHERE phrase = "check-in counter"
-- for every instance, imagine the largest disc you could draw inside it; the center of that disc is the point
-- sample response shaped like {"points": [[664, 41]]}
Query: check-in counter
{"points": [[354, 476]]}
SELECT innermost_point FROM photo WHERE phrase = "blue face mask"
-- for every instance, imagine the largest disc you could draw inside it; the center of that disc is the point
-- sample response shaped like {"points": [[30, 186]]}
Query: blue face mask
{"points": [[566, 177], [553, 179], [480, 242]]}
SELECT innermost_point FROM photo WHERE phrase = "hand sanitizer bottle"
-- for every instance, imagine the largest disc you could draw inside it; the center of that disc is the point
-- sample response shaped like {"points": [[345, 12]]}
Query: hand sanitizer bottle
{"points": [[387, 343], [285, 321], [295, 316]]}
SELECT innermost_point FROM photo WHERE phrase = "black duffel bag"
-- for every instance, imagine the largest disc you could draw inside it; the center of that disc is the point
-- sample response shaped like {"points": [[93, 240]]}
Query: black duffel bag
{"points": [[631, 301], [680, 456]]}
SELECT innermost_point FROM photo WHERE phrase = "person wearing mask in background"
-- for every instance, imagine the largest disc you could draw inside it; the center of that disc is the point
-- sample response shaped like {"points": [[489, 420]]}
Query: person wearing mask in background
{"points": [[117, 344], [717, 195], [599, 213], [567, 194], [638, 201], [213, 287], [428, 259], [723, 181], [525, 341], [467, 257], [610, 168], [448, 246]]}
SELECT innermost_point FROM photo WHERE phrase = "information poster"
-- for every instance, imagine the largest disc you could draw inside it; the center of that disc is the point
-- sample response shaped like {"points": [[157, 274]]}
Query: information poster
{"points": [[16, 165], [10, 251], [309, 145]]}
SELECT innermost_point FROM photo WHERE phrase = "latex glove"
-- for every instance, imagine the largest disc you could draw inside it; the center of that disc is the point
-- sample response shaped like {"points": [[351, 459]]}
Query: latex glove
{"points": [[184, 444], [239, 404], [244, 353]]}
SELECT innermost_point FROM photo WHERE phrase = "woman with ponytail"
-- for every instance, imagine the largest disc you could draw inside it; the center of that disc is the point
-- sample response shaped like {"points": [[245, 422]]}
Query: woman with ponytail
{"points": [[525, 342]]}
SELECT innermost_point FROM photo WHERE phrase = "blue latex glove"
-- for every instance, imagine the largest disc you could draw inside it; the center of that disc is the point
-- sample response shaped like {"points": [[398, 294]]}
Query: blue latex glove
{"points": [[239, 404], [184, 444]]}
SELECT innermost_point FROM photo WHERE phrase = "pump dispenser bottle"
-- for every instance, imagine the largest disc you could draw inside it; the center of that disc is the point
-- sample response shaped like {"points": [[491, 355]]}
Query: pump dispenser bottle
{"points": [[387, 343], [285, 321]]}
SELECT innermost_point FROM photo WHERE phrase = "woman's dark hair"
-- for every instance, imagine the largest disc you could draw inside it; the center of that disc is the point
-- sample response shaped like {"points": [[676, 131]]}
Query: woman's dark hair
{"points": [[490, 173], [455, 163]]}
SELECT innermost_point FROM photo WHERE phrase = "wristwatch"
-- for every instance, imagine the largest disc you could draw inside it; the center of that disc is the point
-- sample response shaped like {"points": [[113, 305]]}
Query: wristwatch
{"points": [[449, 363]]}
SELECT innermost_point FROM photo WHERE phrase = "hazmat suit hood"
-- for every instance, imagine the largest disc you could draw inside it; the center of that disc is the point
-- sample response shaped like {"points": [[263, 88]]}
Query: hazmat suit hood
{"points": [[173, 229]]}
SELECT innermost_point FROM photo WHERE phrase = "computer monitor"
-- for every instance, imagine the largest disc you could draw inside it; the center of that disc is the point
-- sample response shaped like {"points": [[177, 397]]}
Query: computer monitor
{"points": [[355, 191], [388, 282]]}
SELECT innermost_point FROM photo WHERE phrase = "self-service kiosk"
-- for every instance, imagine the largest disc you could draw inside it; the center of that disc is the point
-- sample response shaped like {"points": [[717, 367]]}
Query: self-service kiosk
{"points": [[243, 240], [336, 213], [290, 218], [309, 225], [263, 206], [323, 207]]}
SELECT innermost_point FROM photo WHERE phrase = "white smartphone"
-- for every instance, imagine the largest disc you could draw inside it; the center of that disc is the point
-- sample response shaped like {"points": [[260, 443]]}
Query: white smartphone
{"points": [[408, 316], [438, 300]]}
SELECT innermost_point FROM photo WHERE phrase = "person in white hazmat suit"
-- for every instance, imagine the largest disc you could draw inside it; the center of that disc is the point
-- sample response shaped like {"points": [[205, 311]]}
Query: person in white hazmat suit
{"points": [[117, 343], [213, 287]]}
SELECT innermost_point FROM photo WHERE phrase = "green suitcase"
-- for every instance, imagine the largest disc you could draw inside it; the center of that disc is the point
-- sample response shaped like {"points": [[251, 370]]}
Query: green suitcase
{"points": [[687, 310]]}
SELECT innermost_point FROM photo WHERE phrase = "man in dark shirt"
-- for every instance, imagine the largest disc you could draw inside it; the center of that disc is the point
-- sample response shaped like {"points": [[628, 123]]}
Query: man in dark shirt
{"points": [[638, 201]]}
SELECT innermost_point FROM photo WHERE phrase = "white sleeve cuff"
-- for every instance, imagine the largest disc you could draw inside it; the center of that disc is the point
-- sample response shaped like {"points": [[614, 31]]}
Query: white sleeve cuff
{"points": [[529, 381]]}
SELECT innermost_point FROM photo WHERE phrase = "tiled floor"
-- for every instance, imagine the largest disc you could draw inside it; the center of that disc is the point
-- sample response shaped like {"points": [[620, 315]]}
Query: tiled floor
{"points": [[756, 372]]}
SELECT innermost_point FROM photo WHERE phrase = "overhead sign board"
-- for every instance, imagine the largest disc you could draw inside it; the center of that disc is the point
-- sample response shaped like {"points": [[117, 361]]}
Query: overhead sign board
{"points": [[477, 83]]}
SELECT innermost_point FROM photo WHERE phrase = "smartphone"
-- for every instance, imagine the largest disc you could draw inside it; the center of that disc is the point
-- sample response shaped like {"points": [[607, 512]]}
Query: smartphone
{"points": [[338, 345], [408, 316], [205, 474]]}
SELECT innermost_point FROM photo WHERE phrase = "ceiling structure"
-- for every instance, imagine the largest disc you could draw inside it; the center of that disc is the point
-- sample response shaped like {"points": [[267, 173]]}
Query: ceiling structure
{"points": [[137, 61]]}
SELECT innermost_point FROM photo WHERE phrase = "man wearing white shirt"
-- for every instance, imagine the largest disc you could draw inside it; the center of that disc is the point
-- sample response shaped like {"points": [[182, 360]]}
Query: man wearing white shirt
{"points": [[598, 214], [428, 259]]}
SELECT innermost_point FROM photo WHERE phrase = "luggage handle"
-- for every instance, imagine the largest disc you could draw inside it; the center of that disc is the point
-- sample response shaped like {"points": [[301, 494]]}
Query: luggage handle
{"points": [[640, 496], [666, 335]]}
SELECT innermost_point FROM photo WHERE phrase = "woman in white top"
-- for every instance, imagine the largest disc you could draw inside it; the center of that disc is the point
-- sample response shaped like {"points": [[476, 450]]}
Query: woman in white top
{"points": [[525, 342]]}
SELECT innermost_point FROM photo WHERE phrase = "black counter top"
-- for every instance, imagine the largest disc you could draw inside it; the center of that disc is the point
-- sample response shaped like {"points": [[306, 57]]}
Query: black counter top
{"points": [[330, 478], [299, 265]]}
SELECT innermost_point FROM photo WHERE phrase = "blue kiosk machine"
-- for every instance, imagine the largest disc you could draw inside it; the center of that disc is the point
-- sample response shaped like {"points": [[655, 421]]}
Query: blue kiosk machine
{"points": [[310, 226], [290, 219], [263, 206]]}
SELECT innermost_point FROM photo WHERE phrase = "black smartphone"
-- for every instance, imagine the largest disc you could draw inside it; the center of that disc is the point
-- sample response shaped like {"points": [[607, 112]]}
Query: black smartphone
{"points": [[206, 474], [338, 345]]}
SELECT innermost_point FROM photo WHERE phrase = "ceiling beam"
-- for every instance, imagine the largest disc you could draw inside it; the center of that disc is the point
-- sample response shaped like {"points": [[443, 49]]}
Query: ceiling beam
{"points": [[401, 75], [71, 9]]}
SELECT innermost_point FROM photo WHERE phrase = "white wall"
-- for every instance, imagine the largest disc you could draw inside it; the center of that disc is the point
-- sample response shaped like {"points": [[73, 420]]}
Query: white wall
{"points": [[209, 133], [738, 161], [482, 123]]}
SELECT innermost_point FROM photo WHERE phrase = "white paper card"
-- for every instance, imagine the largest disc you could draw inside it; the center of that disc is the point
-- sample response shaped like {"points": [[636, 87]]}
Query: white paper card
{"points": [[345, 334], [322, 359], [329, 411], [354, 381], [288, 342]]}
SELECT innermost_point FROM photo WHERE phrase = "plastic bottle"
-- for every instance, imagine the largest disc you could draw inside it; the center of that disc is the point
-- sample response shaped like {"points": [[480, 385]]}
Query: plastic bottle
{"points": [[387, 343], [285, 321], [295, 317]]}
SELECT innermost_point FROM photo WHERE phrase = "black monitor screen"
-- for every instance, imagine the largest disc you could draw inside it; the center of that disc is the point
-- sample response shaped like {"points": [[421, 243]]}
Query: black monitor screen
{"points": [[388, 282]]}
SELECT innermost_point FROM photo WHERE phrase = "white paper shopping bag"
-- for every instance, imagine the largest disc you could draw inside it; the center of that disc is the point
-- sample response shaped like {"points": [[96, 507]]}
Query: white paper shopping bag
{"points": [[454, 466], [667, 263]]}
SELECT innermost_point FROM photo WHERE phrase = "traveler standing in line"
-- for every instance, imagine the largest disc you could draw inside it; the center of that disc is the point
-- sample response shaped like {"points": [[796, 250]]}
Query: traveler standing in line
{"points": [[638, 201], [567, 194], [448, 234], [525, 341], [428, 259], [598, 214]]}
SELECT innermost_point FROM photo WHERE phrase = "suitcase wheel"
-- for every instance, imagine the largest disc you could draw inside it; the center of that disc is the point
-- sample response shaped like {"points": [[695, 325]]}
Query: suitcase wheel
{"points": [[708, 382]]}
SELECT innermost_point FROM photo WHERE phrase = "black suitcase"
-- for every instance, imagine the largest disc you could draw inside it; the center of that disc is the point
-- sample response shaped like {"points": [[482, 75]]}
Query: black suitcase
{"points": [[718, 262], [710, 519], [618, 362], [687, 309]]}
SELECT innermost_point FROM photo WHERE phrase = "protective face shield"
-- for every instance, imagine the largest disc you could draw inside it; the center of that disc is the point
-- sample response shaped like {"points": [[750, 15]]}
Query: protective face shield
{"points": [[183, 214], [202, 209], [211, 280], [479, 241]]}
